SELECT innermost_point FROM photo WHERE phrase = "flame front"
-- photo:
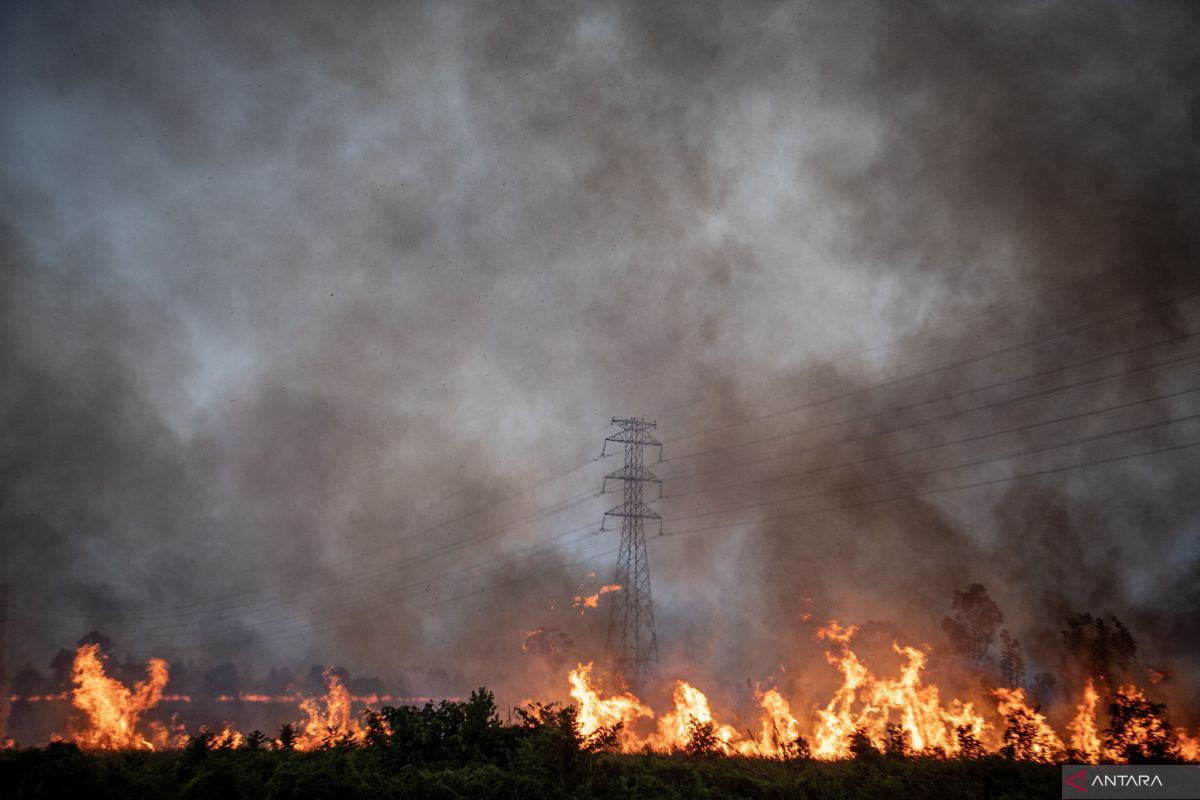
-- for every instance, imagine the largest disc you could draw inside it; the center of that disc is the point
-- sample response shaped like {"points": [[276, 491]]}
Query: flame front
{"points": [[1085, 737], [780, 730], [900, 713], [866, 705], [113, 711], [1038, 741], [333, 722], [595, 714]]}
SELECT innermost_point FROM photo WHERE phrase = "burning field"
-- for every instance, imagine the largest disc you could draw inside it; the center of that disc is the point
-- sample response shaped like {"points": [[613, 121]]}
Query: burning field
{"points": [[900, 715]]}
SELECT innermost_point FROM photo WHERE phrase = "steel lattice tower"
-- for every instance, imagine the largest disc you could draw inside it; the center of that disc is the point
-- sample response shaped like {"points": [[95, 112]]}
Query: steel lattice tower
{"points": [[631, 627]]}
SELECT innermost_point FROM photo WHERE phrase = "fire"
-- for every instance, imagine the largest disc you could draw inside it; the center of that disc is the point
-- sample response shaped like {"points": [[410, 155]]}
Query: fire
{"points": [[333, 722], [1189, 746], [893, 713], [691, 709], [229, 737], [1136, 728], [113, 710], [780, 730], [1030, 737], [584, 602], [1085, 735], [866, 704], [596, 714]]}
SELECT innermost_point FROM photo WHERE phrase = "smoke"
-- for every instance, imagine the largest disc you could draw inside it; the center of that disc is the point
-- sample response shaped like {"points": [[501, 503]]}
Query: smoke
{"points": [[297, 300]]}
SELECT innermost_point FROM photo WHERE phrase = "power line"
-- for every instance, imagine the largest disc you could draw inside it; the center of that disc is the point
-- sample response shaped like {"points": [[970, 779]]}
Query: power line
{"points": [[912, 450], [571, 502], [396, 542], [559, 539], [990, 310], [995, 404], [944, 367], [941, 490], [1078, 384], [167, 612], [844, 506], [796, 515], [387, 569], [964, 465]]}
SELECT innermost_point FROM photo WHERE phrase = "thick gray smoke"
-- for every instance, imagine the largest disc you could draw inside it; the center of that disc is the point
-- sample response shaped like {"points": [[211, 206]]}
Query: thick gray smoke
{"points": [[313, 317]]}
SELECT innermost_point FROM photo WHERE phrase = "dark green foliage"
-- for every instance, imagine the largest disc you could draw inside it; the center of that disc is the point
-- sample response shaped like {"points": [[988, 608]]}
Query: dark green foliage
{"points": [[897, 742], [796, 750], [287, 738], [862, 748], [604, 740], [255, 740], [197, 746], [540, 768], [448, 732], [702, 738], [549, 749]]}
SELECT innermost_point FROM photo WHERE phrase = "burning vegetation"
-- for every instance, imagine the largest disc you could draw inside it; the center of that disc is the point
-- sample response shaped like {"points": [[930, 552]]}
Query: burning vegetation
{"points": [[898, 716], [869, 713]]}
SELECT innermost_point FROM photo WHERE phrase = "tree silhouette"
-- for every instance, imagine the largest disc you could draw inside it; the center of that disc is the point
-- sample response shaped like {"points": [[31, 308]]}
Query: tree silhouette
{"points": [[702, 738], [1012, 661], [1096, 648], [861, 746], [1138, 731], [972, 626]]}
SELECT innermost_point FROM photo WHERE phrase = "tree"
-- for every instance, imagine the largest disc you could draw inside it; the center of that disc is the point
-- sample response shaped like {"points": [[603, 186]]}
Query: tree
{"points": [[1012, 661], [969, 745], [702, 738], [795, 750], [287, 737], [1026, 737], [861, 746], [972, 626], [1046, 689], [897, 743], [1097, 648], [1138, 731]]}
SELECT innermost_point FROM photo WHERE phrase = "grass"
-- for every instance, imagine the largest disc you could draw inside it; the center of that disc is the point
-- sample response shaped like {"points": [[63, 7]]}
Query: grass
{"points": [[540, 771]]}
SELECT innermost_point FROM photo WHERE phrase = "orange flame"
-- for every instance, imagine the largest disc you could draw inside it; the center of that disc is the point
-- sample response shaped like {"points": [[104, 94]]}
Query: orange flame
{"points": [[1189, 746], [113, 710], [596, 713], [334, 721], [1085, 734], [1043, 743], [780, 730], [868, 704], [691, 708], [584, 602]]}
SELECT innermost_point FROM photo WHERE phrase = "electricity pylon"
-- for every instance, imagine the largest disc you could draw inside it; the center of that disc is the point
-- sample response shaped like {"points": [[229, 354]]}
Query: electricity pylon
{"points": [[632, 617]]}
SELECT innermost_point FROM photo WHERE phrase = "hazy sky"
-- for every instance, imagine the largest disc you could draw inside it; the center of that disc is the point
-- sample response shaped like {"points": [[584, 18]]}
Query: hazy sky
{"points": [[285, 286]]}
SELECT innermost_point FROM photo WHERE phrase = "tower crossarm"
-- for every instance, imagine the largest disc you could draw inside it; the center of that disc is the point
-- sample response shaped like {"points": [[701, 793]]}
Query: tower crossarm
{"points": [[633, 432], [631, 474], [640, 511]]}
